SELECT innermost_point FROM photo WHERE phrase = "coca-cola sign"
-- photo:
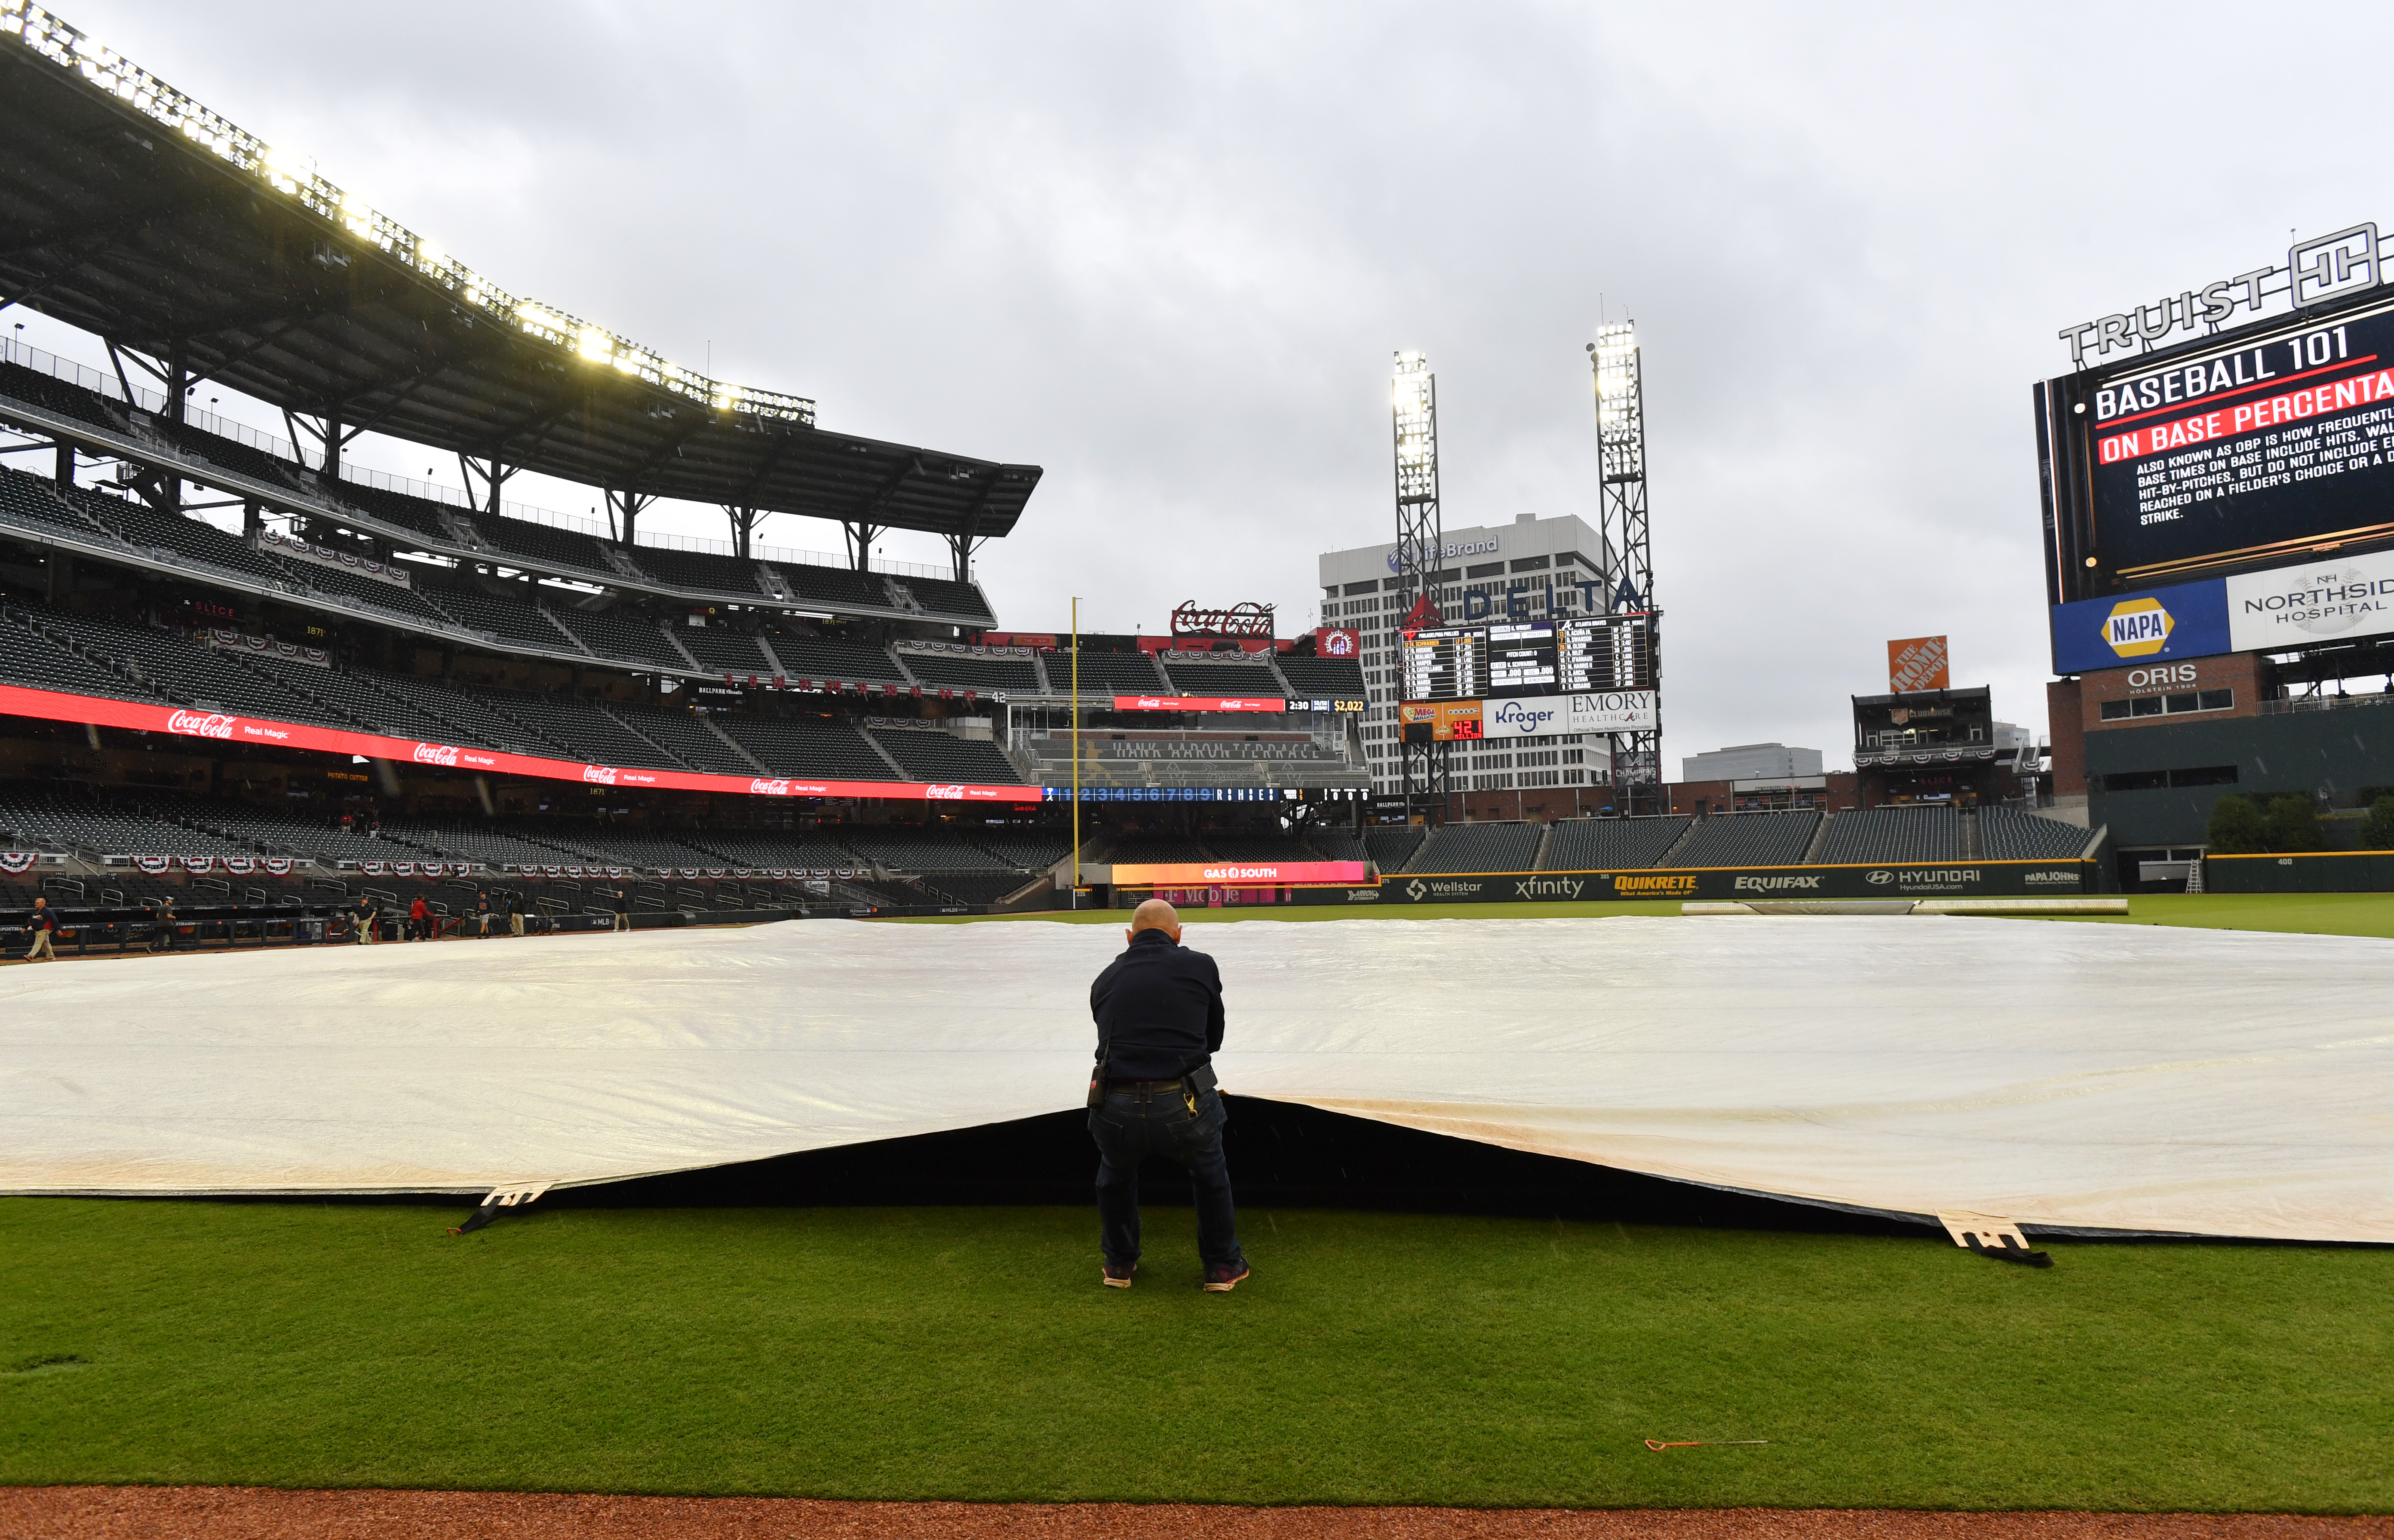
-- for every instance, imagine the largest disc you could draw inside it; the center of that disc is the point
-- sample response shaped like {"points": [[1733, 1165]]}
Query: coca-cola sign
{"points": [[200, 724], [943, 793], [1244, 619], [602, 774], [435, 754], [769, 788]]}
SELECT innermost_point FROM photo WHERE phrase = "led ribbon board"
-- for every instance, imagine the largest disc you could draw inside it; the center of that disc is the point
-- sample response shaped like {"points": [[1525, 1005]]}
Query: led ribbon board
{"points": [[225, 727]]}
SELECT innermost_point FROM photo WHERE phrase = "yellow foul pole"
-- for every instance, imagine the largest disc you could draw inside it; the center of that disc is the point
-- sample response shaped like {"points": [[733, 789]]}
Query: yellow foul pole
{"points": [[1076, 754]]}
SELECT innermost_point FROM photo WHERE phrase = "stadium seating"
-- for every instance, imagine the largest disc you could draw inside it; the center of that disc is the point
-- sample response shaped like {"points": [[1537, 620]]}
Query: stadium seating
{"points": [[1610, 844], [1106, 674], [908, 849], [1024, 850], [587, 734], [229, 454], [1892, 834], [2006, 833], [51, 394], [685, 737], [702, 571], [396, 508], [542, 543], [837, 585], [29, 503], [30, 659], [174, 669], [1019, 676], [1747, 839], [351, 696], [472, 719], [821, 658], [513, 620], [1227, 677], [1158, 849], [1227, 845], [1393, 849], [809, 747], [724, 650], [1480, 848], [947, 597], [936, 756], [137, 523], [763, 848], [1336, 844], [1332, 679], [976, 886], [622, 633], [82, 821]]}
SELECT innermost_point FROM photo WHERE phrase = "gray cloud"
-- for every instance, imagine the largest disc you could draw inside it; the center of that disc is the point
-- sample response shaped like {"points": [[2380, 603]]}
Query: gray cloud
{"points": [[1168, 255]]}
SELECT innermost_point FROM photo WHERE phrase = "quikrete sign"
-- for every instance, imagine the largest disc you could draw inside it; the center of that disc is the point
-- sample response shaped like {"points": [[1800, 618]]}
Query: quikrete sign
{"points": [[1958, 879]]}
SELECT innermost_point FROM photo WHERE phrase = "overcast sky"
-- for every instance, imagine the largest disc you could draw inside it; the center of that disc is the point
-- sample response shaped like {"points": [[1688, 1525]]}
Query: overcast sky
{"points": [[1167, 254]]}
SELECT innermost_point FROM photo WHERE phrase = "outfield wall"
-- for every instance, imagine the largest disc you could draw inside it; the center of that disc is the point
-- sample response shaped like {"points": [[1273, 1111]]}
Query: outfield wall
{"points": [[2324, 872], [1932, 879]]}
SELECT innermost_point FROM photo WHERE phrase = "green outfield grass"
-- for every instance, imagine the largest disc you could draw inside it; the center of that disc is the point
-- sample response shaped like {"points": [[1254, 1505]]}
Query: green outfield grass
{"points": [[954, 1353], [2316, 913]]}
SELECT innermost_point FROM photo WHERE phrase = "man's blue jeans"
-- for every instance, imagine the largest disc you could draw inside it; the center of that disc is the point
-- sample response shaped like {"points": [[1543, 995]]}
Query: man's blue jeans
{"points": [[1134, 1125]]}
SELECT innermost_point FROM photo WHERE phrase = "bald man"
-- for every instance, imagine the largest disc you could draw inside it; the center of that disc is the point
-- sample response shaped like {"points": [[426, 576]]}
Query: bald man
{"points": [[1159, 1012]]}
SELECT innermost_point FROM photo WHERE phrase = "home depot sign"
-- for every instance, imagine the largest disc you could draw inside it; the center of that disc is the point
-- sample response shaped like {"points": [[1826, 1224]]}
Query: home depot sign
{"points": [[1918, 663]]}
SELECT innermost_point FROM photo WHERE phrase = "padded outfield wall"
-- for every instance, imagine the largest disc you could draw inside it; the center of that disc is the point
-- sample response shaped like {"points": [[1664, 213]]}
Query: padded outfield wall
{"points": [[2324, 872], [1935, 879]]}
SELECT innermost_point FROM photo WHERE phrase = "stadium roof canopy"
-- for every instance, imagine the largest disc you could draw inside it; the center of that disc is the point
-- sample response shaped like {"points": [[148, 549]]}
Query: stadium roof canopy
{"points": [[134, 213]]}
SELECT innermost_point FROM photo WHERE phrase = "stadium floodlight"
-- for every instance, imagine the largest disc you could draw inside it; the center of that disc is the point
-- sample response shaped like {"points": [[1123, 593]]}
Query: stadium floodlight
{"points": [[294, 175]]}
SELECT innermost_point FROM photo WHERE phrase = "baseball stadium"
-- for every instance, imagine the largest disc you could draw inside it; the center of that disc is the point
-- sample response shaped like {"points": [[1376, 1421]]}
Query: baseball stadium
{"points": [[522, 1022]]}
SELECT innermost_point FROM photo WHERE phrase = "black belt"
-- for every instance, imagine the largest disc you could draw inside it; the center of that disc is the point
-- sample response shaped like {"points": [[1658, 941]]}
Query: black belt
{"points": [[1142, 1085]]}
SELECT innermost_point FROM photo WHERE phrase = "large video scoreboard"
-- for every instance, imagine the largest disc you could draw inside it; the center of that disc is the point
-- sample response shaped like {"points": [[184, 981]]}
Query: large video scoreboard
{"points": [[1594, 674], [2232, 493]]}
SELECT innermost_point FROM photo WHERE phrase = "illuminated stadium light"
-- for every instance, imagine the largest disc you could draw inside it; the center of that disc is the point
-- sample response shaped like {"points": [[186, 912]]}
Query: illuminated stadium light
{"points": [[294, 176], [1616, 380]]}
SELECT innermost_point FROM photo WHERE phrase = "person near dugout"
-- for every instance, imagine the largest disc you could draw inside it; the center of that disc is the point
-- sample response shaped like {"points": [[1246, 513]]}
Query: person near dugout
{"points": [[482, 916], [43, 924], [419, 920], [623, 910], [515, 913], [1159, 1012], [162, 933]]}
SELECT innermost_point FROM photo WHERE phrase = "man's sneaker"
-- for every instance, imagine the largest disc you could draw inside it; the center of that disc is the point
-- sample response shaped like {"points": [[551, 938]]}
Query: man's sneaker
{"points": [[1222, 1277], [1117, 1274]]}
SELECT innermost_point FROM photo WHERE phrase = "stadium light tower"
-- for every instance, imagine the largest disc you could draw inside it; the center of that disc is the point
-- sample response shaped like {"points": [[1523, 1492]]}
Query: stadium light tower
{"points": [[1421, 536], [1629, 552]]}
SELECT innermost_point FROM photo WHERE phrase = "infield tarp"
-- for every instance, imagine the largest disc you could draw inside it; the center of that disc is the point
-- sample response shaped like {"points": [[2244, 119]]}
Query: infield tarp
{"points": [[2116, 1077]]}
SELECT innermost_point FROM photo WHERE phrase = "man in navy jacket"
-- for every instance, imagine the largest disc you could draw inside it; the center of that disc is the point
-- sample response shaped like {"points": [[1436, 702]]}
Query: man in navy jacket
{"points": [[1159, 1012]]}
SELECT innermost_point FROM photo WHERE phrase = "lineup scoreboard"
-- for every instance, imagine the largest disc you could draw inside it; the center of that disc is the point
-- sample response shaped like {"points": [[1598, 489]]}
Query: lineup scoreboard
{"points": [[1589, 675]]}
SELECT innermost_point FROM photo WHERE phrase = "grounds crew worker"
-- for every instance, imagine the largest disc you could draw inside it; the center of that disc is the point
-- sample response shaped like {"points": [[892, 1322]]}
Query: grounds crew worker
{"points": [[1159, 1013], [43, 923]]}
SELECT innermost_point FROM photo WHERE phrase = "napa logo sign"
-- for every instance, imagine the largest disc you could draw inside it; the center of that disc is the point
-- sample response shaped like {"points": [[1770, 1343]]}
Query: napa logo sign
{"points": [[2185, 620], [2137, 627]]}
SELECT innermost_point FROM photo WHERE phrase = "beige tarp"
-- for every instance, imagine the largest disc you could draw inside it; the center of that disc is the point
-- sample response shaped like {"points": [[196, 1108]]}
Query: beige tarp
{"points": [[2063, 1074]]}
